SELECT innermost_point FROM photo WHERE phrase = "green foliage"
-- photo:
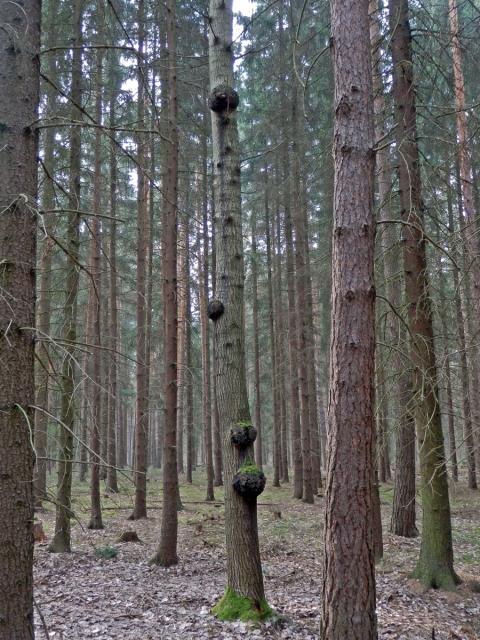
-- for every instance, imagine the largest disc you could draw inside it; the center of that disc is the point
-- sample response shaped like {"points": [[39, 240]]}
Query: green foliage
{"points": [[107, 552], [235, 607], [250, 468]]}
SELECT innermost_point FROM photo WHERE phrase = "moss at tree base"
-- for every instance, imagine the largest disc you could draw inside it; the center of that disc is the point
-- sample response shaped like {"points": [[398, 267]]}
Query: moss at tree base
{"points": [[235, 607], [440, 578]]}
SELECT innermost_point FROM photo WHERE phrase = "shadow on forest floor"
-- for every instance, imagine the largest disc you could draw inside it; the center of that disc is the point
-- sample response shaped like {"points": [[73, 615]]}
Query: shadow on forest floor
{"points": [[81, 595]]}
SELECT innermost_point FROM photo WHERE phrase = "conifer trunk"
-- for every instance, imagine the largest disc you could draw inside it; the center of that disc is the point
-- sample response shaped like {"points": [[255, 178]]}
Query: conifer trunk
{"points": [[349, 572], [435, 564], [19, 96]]}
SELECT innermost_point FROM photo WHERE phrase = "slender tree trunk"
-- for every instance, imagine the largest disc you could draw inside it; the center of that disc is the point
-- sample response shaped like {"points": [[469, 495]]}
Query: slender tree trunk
{"points": [[19, 71], [349, 572], [182, 328], [167, 550], [205, 343], [95, 290], [435, 564], [44, 303], [61, 541], [256, 347], [244, 570], [141, 419], [276, 431], [403, 512], [112, 484]]}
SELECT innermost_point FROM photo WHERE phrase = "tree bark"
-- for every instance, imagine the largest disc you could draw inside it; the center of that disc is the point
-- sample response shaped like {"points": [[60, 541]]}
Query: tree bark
{"points": [[435, 564], [167, 551], [141, 418], [19, 73], [95, 289], [349, 572], [244, 571]]}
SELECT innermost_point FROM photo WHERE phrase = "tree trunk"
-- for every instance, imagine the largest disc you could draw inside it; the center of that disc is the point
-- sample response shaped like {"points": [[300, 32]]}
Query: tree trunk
{"points": [[205, 342], [141, 418], [167, 551], [256, 347], [349, 572], [61, 541], [95, 289], [44, 303], [244, 570], [19, 71], [435, 564], [112, 484]]}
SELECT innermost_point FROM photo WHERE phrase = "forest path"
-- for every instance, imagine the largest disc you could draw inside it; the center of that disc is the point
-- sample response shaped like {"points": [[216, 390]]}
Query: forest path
{"points": [[83, 596]]}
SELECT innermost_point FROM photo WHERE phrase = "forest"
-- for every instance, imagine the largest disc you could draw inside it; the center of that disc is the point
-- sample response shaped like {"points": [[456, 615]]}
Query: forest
{"points": [[239, 319]]}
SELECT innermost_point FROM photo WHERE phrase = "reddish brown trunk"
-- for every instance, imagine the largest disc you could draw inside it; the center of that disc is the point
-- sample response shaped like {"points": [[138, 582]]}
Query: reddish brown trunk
{"points": [[349, 573]]}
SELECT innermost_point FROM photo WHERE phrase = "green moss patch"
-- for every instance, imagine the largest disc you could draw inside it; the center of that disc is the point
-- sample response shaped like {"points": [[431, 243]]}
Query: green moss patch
{"points": [[235, 607]]}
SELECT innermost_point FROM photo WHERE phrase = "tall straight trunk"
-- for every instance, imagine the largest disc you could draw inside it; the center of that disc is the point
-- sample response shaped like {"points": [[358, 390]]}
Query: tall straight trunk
{"points": [[403, 512], [300, 304], [295, 430], [112, 484], [468, 220], [61, 541], [182, 334], [95, 289], [141, 417], [447, 371], [256, 347], [167, 550], [466, 365], [205, 342], [244, 570], [280, 346], [276, 431], [435, 564], [19, 71], [44, 300], [349, 572], [189, 409]]}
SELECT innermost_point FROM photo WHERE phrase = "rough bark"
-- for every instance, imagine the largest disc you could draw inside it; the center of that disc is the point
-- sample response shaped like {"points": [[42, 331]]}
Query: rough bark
{"points": [[244, 571], [19, 78], [349, 573], [435, 564]]}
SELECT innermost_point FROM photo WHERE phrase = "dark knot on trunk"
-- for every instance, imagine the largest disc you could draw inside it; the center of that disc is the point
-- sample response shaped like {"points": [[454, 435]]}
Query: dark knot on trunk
{"points": [[249, 481], [215, 309], [243, 434], [223, 98]]}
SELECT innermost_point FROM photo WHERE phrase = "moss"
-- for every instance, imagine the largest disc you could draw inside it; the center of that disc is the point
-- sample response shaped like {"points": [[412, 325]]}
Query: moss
{"points": [[106, 553], [250, 468], [235, 607]]}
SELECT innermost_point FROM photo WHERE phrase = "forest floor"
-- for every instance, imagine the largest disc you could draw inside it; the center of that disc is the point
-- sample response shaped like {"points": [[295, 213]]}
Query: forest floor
{"points": [[81, 595]]}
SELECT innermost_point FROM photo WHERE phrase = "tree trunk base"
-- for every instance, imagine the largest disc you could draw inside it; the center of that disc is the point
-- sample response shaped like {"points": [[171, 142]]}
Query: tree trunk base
{"points": [[235, 607], [440, 577], [164, 560], [60, 544]]}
